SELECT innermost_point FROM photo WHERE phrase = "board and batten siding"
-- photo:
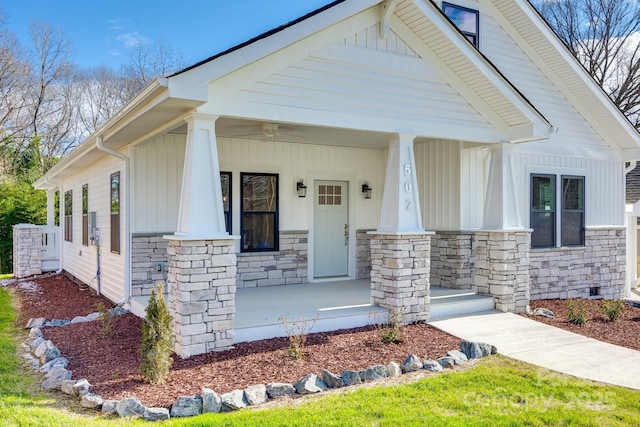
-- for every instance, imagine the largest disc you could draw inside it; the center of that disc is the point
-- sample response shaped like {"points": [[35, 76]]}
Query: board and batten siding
{"points": [[156, 169], [80, 260], [309, 162]]}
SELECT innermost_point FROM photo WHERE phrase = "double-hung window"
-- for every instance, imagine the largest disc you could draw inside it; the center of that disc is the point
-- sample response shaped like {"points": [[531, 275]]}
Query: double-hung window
{"points": [[546, 219], [467, 20], [225, 182], [68, 216], [259, 212]]}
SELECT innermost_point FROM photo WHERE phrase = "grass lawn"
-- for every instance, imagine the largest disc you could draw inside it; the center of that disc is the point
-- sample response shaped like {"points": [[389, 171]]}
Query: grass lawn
{"points": [[498, 391], [6, 276]]}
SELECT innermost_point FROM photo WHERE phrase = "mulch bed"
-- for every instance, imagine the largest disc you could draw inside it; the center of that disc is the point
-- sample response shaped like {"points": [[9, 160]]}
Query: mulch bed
{"points": [[110, 361], [624, 332]]}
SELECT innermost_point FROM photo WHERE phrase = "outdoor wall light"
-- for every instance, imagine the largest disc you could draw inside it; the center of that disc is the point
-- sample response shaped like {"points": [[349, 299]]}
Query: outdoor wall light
{"points": [[301, 188], [366, 190]]}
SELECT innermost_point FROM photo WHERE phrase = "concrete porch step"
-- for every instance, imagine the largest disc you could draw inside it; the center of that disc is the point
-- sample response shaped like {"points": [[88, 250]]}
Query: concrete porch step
{"points": [[459, 303]]}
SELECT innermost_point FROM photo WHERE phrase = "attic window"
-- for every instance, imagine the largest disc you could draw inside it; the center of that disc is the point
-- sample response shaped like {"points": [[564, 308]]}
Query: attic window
{"points": [[467, 20]]}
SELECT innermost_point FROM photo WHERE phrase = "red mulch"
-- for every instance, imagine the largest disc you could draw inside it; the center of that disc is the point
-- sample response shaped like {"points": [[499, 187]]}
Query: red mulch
{"points": [[624, 332], [110, 362]]}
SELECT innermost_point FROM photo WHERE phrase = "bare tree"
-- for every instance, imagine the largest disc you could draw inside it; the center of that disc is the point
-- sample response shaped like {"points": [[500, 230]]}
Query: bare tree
{"points": [[13, 70], [101, 93], [604, 35]]}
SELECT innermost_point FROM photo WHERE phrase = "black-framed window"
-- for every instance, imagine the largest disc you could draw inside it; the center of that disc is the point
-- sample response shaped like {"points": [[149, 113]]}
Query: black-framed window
{"points": [[543, 211], [85, 214], [114, 184], [68, 216], [544, 218], [467, 20], [572, 211], [259, 212], [225, 182]]}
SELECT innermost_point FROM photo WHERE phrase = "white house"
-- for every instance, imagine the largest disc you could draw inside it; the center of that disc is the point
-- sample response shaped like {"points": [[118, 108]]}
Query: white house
{"points": [[456, 145]]}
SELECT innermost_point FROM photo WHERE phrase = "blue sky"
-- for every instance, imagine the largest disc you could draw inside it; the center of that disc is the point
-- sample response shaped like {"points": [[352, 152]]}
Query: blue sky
{"points": [[103, 31]]}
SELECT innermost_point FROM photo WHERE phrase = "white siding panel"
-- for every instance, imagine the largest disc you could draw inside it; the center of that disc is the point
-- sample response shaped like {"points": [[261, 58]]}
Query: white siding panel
{"points": [[438, 172], [81, 261], [368, 39], [604, 194], [473, 184], [157, 169], [293, 161]]}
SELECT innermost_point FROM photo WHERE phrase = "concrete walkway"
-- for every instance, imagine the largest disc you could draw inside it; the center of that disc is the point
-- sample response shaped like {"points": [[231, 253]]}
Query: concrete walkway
{"points": [[552, 348]]}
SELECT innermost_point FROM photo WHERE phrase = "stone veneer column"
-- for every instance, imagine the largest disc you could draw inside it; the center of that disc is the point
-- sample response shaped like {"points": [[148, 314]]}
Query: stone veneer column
{"points": [[400, 273], [202, 288], [502, 267], [27, 250]]}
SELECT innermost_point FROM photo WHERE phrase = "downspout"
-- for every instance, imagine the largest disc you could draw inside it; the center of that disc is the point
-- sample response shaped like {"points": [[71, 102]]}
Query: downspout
{"points": [[632, 166], [127, 228]]}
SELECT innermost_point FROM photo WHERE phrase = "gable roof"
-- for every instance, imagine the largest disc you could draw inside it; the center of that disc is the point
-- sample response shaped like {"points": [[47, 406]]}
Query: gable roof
{"points": [[165, 100]]}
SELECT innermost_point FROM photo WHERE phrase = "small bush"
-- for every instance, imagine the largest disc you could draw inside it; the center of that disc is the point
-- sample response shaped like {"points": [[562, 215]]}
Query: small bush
{"points": [[297, 331], [157, 340], [613, 309], [388, 331], [578, 312], [107, 322]]}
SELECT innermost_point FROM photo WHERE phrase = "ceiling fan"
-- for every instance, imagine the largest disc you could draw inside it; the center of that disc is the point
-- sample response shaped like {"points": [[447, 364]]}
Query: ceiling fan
{"points": [[270, 130]]}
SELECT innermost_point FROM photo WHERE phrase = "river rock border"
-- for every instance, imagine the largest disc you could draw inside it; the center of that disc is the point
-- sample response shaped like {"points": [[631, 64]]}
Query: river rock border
{"points": [[45, 357]]}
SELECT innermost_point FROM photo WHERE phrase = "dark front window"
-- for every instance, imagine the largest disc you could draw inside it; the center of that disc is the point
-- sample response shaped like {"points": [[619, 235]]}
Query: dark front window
{"points": [[225, 182], [115, 212], [68, 216], [85, 214], [467, 20], [572, 211], [543, 210], [259, 218]]}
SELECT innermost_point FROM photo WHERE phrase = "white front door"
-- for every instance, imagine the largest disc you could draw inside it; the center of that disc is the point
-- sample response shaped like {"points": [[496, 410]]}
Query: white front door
{"points": [[331, 229]]}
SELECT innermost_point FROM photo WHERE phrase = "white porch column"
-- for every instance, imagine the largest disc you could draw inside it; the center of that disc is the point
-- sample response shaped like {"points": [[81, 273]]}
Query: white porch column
{"points": [[400, 201], [501, 210], [202, 259], [201, 213], [51, 203]]}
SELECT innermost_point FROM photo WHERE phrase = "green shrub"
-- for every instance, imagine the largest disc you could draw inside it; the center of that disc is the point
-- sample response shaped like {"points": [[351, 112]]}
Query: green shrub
{"points": [[389, 330], [157, 340], [578, 313], [613, 309]]}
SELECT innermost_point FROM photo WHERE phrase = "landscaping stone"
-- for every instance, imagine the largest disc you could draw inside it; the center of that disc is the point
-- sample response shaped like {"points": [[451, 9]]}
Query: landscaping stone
{"points": [[109, 407], [476, 350], [431, 365], [130, 407], [233, 401], [35, 322], [394, 369], [46, 351], [92, 316], [310, 384], [446, 361], [373, 373], [350, 377], [59, 361], [187, 406], [67, 387], [36, 342], [55, 377], [156, 414], [117, 311], [55, 323], [458, 357], [91, 401], [81, 385], [411, 364], [543, 312], [211, 402], [33, 362], [332, 380], [275, 390], [35, 333], [256, 394]]}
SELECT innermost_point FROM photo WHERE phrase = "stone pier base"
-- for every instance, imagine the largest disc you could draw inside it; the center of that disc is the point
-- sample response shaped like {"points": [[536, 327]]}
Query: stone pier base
{"points": [[27, 250], [400, 266], [202, 289], [502, 267]]}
